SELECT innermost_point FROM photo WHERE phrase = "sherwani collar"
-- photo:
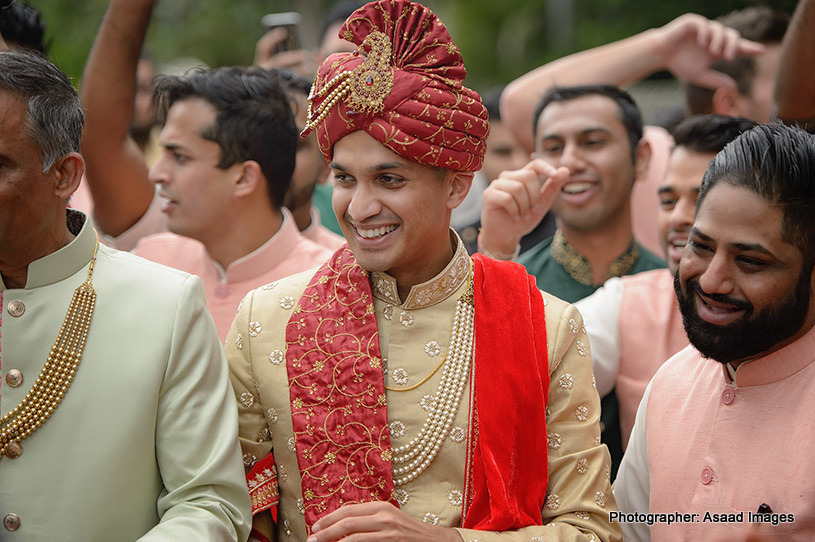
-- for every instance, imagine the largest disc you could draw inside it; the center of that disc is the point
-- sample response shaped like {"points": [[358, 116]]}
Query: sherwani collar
{"points": [[431, 292], [68, 260], [579, 268]]}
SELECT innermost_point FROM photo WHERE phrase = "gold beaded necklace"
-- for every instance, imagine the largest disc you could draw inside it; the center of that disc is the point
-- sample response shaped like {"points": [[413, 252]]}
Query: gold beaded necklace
{"points": [[57, 374]]}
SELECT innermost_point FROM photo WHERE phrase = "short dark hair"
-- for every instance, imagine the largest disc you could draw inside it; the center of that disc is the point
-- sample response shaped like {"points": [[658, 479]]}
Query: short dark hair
{"points": [[757, 23], [54, 115], [777, 163], [629, 112], [709, 133], [22, 25], [253, 122]]}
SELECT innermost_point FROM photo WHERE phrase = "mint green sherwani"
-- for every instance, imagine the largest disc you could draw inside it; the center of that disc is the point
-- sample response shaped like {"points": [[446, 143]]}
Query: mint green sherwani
{"points": [[144, 445]]}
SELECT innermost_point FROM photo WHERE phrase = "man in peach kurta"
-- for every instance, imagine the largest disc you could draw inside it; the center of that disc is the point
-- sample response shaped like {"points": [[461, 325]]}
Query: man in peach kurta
{"points": [[287, 252], [724, 433], [633, 321]]}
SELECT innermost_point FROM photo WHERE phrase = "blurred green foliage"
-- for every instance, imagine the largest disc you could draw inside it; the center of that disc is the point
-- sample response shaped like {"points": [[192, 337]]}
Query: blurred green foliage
{"points": [[500, 39]]}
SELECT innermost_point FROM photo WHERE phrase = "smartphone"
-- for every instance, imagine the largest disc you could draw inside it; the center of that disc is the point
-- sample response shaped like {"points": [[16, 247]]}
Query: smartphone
{"points": [[290, 20]]}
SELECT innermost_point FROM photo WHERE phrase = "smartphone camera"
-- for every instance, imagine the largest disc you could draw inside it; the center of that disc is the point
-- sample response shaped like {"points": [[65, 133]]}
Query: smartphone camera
{"points": [[290, 20]]}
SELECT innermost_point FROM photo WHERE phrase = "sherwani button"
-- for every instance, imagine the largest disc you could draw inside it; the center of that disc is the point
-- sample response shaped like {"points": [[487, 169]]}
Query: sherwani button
{"points": [[11, 522], [14, 378], [728, 395], [707, 475], [221, 291], [14, 450], [16, 308]]}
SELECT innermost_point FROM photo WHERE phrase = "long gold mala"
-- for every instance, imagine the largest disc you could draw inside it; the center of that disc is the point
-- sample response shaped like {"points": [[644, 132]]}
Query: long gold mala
{"points": [[57, 374]]}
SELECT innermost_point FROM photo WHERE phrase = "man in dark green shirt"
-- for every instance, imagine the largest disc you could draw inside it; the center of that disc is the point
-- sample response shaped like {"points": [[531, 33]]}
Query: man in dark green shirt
{"points": [[593, 135], [589, 152]]}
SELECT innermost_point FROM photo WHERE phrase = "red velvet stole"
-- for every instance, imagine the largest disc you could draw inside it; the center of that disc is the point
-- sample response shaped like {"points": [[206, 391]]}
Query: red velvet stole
{"points": [[337, 394], [507, 472]]}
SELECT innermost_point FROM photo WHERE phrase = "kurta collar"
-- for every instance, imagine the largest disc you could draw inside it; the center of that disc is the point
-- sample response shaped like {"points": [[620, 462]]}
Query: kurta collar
{"points": [[780, 364], [432, 291], [267, 256], [580, 269], [66, 261]]}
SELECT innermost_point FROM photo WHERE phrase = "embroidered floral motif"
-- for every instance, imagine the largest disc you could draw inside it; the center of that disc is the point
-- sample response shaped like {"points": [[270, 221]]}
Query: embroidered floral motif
{"points": [[287, 302], [582, 466], [254, 329], [553, 502], [597, 441], [554, 440], [291, 444], [264, 435], [249, 460], [582, 514], [582, 413], [387, 312], [397, 429], [270, 286], [239, 342], [600, 499], [384, 366], [271, 415], [406, 319], [282, 473], [573, 326], [432, 348], [427, 402], [566, 381], [276, 357], [400, 376], [581, 348], [458, 434], [432, 519], [301, 507], [455, 497], [287, 526], [247, 399], [401, 496]]}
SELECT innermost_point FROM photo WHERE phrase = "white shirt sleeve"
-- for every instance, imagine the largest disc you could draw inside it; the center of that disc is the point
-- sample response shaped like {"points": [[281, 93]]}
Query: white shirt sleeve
{"points": [[601, 313], [632, 488]]}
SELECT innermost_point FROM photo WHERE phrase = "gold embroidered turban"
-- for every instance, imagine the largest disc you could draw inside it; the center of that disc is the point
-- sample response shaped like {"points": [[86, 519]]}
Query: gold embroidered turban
{"points": [[403, 86]]}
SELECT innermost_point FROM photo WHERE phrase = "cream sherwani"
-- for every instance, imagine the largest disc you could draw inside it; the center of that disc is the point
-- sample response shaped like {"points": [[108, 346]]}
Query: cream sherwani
{"points": [[414, 339], [144, 445]]}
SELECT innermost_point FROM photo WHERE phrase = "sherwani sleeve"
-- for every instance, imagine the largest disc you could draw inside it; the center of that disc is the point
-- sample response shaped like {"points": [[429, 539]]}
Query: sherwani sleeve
{"points": [[204, 495], [254, 434], [601, 311], [579, 492], [633, 485]]}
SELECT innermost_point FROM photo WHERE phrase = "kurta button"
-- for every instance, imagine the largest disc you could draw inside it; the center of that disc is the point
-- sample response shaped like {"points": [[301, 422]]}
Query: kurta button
{"points": [[728, 395], [707, 475], [222, 290], [14, 378], [14, 450], [11, 522], [16, 307]]}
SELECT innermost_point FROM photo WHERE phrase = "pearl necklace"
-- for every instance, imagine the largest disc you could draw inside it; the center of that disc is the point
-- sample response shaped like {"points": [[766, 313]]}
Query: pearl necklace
{"points": [[57, 374], [413, 458]]}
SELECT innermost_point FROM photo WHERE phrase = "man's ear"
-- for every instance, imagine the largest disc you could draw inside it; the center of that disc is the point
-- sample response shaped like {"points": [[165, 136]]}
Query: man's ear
{"points": [[67, 171], [725, 101], [460, 183], [251, 179], [642, 159]]}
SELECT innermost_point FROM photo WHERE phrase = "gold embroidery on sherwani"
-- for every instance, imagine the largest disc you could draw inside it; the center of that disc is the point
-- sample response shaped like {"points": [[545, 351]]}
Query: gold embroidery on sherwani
{"points": [[579, 268]]}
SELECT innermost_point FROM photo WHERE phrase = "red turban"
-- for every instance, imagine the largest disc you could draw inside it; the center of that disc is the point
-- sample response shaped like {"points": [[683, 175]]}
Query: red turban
{"points": [[403, 87]]}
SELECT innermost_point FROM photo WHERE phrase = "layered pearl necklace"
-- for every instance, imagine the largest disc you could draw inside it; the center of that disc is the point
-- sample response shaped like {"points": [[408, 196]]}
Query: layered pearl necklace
{"points": [[57, 374], [410, 460]]}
